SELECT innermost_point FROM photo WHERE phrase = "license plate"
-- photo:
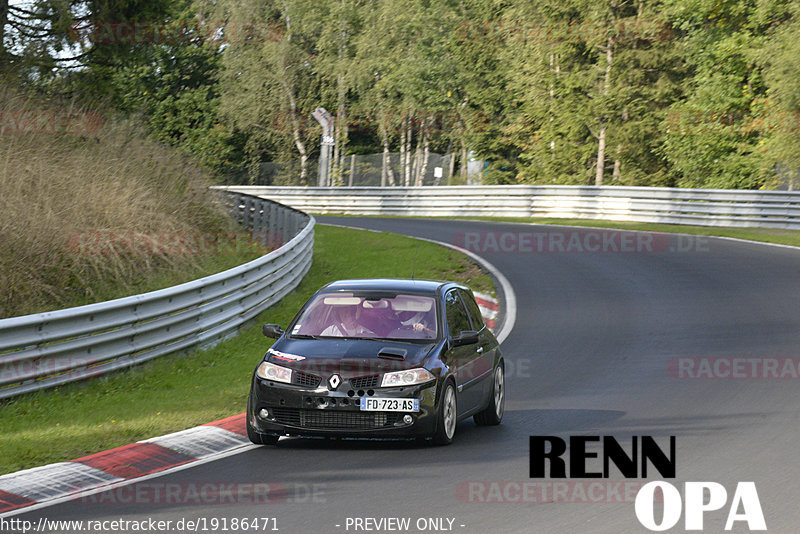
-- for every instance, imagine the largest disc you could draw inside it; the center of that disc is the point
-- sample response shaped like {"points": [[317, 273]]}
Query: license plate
{"points": [[389, 405]]}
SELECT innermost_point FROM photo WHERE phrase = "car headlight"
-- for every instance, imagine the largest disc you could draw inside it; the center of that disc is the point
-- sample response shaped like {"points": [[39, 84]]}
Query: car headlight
{"points": [[270, 371], [406, 378]]}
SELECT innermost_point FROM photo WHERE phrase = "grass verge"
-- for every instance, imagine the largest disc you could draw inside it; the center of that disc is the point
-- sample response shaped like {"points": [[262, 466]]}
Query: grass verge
{"points": [[181, 391]]}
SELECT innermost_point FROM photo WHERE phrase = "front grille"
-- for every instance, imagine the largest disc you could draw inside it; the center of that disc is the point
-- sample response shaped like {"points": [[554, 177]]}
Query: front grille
{"points": [[364, 382], [335, 419], [305, 379], [287, 416]]}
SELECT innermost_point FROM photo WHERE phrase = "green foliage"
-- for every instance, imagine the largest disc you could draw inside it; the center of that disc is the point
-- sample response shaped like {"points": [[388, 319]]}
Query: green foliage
{"points": [[696, 93], [712, 135], [780, 109], [568, 93]]}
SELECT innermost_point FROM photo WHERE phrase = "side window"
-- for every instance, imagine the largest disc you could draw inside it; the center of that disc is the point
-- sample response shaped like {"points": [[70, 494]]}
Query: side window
{"points": [[472, 309], [457, 320]]}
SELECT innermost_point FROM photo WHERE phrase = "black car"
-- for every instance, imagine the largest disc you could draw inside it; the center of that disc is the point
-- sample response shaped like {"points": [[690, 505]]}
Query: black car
{"points": [[378, 358]]}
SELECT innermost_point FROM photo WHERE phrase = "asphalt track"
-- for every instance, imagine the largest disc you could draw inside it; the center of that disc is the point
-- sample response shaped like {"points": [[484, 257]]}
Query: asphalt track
{"points": [[592, 352]]}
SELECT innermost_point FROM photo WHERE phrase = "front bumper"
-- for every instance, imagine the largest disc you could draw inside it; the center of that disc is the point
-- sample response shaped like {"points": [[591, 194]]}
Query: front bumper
{"points": [[303, 411]]}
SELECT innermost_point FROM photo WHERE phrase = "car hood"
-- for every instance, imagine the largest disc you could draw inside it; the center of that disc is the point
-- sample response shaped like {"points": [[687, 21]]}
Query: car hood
{"points": [[348, 357]]}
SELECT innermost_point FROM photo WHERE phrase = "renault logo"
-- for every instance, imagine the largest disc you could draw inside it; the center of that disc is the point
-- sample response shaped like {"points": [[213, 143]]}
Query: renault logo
{"points": [[334, 381]]}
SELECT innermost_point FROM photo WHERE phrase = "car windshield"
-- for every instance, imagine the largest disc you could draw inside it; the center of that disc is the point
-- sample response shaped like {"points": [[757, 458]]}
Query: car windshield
{"points": [[384, 316]]}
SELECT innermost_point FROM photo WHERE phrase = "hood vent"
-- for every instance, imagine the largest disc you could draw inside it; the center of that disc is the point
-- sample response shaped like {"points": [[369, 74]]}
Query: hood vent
{"points": [[391, 353]]}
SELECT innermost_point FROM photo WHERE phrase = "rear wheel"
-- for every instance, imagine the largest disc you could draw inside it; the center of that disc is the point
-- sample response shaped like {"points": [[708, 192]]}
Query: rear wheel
{"points": [[493, 413], [448, 416]]}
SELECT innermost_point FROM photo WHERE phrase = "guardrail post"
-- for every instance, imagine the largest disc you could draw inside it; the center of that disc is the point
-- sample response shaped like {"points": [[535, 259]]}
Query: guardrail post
{"points": [[281, 224]]}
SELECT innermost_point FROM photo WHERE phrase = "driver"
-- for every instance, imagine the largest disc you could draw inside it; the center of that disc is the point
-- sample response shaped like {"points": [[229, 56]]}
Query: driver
{"points": [[416, 321]]}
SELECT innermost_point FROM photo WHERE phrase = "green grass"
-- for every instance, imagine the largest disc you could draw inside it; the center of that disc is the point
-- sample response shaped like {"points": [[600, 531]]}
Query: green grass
{"points": [[181, 391], [784, 237]]}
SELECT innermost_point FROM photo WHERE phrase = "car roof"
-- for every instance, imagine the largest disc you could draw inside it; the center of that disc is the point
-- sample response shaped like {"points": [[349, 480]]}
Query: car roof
{"points": [[389, 284]]}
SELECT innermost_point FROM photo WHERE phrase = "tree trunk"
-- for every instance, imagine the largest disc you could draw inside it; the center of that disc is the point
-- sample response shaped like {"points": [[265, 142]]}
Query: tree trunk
{"points": [[426, 150], [289, 90], [389, 170], [418, 153], [407, 167], [303, 167], [451, 169], [352, 170], [384, 165], [341, 113], [554, 68], [601, 155], [335, 174], [464, 160], [617, 176], [340, 136], [451, 160], [387, 176], [601, 139], [298, 139], [345, 138], [403, 148]]}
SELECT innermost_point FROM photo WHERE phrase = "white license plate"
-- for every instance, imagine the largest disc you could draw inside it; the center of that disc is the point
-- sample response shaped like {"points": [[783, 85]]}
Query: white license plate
{"points": [[389, 405]]}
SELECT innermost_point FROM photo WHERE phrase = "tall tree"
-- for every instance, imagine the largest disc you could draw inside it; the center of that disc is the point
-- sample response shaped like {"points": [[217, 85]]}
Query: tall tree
{"points": [[269, 83], [588, 76], [779, 110], [714, 134]]}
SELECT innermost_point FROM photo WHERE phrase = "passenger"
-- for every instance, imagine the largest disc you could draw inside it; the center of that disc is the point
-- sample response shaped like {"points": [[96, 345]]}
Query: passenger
{"points": [[346, 323]]}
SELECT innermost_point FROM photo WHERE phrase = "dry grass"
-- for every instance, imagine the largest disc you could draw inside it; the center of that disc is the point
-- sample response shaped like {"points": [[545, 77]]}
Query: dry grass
{"points": [[54, 187]]}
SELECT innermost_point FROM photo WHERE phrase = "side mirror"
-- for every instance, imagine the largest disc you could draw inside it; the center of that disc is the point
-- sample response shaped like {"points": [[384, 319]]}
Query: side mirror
{"points": [[272, 330], [466, 337]]}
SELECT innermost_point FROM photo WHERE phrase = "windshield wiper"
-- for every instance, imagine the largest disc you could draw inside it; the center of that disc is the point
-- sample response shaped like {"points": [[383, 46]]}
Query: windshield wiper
{"points": [[304, 336], [400, 339]]}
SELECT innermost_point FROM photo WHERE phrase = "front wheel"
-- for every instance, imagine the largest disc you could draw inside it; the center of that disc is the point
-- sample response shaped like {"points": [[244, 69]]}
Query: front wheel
{"points": [[493, 413], [448, 416]]}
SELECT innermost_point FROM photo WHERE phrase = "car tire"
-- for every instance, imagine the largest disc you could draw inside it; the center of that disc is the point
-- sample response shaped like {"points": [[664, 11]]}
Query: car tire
{"points": [[448, 416], [255, 436], [493, 413]]}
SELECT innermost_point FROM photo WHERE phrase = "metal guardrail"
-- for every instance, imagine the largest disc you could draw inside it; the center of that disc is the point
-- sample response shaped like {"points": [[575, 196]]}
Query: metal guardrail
{"points": [[49, 349], [704, 207]]}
